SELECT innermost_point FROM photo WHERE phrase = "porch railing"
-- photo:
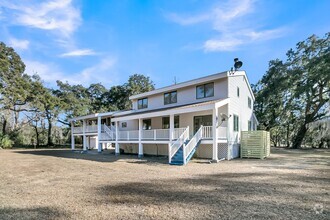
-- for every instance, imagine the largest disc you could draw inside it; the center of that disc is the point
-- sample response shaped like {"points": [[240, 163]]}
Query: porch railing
{"points": [[178, 143], [156, 134], [208, 132], [128, 135], [111, 133], [192, 144], [89, 129]]}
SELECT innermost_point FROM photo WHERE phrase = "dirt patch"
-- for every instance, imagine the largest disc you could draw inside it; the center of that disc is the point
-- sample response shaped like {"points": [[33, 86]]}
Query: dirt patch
{"points": [[61, 184]]}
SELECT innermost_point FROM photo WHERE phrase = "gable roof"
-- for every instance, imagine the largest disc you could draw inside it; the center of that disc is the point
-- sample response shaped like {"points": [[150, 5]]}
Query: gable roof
{"points": [[193, 82]]}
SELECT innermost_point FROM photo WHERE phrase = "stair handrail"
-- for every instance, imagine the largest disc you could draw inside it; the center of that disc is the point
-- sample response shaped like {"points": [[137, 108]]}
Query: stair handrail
{"points": [[178, 143], [112, 128], [109, 131], [192, 144]]}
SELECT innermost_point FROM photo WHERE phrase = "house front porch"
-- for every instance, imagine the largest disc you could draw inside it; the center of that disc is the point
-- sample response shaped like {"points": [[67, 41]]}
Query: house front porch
{"points": [[177, 131]]}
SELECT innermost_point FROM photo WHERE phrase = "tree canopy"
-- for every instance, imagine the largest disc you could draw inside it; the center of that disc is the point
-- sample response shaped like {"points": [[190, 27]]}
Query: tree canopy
{"points": [[295, 92]]}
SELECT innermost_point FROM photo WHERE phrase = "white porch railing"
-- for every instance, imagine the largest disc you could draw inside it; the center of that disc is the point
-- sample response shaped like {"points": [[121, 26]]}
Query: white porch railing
{"points": [[110, 134], [177, 132], [89, 129], [178, 143], [128, 135], [208, 132], [156, 134], [192, 144], [77, 130]]}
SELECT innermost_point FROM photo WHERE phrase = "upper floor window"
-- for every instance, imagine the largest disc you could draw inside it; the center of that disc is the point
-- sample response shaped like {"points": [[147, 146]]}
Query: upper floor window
{"points": [[170, 97], [143, 103], [249, 102], [237, 91], [204, 91], [236, 122]]}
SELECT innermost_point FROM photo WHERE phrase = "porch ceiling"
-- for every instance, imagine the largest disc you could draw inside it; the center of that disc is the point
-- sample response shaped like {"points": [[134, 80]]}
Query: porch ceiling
{"points": [[196, 107]]}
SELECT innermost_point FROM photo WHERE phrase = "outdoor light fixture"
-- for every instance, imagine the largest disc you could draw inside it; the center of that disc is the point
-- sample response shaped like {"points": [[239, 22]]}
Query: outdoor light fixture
{"points": [[237, 64]]}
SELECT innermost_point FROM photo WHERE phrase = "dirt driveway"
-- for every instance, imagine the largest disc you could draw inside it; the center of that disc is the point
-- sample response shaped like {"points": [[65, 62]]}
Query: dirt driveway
{"points": [[60, 184]]}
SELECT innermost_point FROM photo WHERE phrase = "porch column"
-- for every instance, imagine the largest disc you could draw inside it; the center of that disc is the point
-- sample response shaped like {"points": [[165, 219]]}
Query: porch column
{"points": [[88, 142], [215, 134], [84, 136], [140, 155], [171, 127], [98, 144], [228, 135], [117, 144], [72, 136]]}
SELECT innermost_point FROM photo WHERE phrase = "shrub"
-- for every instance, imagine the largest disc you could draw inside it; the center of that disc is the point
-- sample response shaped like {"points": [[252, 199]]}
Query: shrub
{"points": [[6, 142]]}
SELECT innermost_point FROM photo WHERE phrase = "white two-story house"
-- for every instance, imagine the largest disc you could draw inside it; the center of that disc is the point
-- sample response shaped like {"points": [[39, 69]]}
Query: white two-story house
{"points": [[201, 117]]}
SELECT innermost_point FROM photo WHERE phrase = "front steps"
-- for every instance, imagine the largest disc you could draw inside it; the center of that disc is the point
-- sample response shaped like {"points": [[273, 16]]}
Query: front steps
{"points": [[177, 159]]}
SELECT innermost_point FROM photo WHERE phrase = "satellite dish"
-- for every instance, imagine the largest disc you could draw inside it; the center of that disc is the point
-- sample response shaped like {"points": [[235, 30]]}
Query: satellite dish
{"points": [[238, 64]]}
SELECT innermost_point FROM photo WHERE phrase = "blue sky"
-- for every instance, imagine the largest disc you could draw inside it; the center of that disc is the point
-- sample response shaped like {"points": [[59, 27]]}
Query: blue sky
{"points": [[86, 42]]}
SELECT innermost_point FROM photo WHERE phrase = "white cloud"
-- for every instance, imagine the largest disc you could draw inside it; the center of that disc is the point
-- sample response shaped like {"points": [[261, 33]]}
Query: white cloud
{"points": [[49, 72], [232, 25], [222, 44], [59, 16], [188, 20], [77, 53], [19, 44]]}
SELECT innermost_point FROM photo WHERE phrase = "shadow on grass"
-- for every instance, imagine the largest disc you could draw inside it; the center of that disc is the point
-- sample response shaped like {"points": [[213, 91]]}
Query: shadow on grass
{"points": [[106, 156], [225, 196], [32, 213]]}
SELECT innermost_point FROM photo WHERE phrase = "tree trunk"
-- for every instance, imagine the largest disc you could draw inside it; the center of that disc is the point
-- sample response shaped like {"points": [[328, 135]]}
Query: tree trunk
{"points": [[37, 136], [49, 134], [288, 136], [299, 137], [4, 124]]}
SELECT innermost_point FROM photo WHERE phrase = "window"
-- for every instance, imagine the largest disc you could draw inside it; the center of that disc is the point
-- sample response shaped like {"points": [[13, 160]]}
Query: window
{"points": [[124, 124], [249, 102], [236, 122], [143, 103], [146, 124], [237, 91], [166, 122], [204, 91], [170, 97], [250, 126]]}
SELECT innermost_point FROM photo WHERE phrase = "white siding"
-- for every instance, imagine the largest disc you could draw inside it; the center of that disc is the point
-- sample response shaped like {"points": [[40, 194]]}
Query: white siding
{"points": [[239, 105], [187, 95], [131, 125]]}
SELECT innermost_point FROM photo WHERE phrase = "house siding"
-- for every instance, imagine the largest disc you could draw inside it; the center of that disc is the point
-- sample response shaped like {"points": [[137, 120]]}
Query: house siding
{"points": [[239, 105], [186, 95]]}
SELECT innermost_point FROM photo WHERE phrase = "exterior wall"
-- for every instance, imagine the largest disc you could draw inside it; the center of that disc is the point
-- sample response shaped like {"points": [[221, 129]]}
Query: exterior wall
{"points": [[187, 95], [188, 120], [239, 106], [93, 142], [131, 125]]}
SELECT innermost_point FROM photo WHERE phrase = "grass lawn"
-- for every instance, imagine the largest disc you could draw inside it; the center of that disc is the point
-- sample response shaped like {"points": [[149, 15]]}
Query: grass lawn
{"points": [[60, 184]]}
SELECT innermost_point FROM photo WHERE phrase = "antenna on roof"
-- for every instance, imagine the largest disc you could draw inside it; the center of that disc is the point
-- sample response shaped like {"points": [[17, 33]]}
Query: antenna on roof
{"points": [[174, 80]]}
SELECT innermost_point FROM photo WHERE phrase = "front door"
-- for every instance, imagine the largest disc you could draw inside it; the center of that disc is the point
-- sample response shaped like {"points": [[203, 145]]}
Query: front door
{"points": [[205, 120]]}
